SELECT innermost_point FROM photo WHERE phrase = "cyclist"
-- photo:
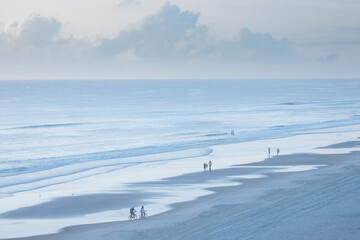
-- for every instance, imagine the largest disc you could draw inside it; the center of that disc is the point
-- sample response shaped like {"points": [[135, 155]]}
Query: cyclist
{"points": [[142, 211], [132, 211]]}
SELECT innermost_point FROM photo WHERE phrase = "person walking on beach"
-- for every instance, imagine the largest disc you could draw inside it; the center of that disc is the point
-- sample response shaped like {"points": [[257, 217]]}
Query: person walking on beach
{"points": [[269, 151], [210, 163], [205, 166], [277, 151]]}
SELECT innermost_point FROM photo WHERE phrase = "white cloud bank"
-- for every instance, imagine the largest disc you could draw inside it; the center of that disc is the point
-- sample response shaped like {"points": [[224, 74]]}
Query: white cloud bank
{"points": [[174, 35], [37, 38], [168, 44]]}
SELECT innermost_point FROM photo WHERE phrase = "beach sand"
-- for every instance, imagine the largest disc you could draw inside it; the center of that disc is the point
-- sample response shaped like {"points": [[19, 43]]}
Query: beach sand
{"points": [[287, 203]]}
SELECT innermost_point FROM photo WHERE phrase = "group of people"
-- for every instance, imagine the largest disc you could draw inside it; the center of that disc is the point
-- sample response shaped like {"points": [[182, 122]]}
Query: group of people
{"points": [[277, 152], [142, 211], [207, 165]]}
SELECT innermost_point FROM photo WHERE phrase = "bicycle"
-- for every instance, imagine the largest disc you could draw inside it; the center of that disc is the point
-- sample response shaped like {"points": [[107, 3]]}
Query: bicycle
{"points": [[132, 217], [143, 216]]}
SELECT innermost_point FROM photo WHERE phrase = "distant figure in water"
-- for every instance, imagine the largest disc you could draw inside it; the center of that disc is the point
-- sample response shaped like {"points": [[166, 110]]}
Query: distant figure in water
{"points": [[232, 132], [269, 152], [277, 151], [210, 163], [205, 166]]}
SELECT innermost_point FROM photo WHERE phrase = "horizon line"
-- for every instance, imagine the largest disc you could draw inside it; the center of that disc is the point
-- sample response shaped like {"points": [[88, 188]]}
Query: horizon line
{"points": [[177, 79]]}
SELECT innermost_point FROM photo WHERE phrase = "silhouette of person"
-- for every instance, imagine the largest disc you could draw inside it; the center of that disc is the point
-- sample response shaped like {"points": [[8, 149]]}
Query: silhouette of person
{"points": [[269, 152], [210, 163], [142, 211], [277, 151]]}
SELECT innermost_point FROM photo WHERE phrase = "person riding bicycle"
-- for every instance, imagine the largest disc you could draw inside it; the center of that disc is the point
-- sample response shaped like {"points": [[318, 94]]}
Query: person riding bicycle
{"points": [[132, 211], [142, 211]]}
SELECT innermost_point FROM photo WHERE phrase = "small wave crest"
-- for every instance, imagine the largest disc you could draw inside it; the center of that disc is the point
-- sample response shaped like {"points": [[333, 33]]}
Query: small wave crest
{"points": [[290, 103], [42, 176], [215, 134], [51, 125]]}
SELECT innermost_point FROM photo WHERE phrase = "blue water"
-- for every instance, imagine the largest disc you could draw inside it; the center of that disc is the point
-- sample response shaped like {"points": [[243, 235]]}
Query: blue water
{"points": [[48, 124]]}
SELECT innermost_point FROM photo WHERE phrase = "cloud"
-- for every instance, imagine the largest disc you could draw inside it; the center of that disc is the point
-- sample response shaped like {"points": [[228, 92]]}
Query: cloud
{"points": [[37, 38], [256, 47], [31, 36], [172, 34], [168, 35], [165, 35], [167, 42], [38, 31]]}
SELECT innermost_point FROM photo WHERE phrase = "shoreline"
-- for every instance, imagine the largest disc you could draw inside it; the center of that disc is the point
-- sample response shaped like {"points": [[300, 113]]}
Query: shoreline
{"points": [[252, 192]]}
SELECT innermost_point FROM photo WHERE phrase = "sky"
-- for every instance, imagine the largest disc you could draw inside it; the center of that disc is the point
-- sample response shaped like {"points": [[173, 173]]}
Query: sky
{"points": [[179, 39]]}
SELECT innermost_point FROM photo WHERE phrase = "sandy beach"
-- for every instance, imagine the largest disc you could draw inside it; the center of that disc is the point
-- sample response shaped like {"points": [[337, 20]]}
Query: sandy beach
{"points": [[268, 204]]}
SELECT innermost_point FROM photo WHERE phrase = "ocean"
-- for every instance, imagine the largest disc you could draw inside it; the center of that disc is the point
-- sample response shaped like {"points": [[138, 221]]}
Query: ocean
{"points": [[50, 129]]}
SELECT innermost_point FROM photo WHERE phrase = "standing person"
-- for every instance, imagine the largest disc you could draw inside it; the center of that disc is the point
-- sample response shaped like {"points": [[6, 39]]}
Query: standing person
{"points": [[210, 163], [269, 151], [277, 151], [205, 166]]}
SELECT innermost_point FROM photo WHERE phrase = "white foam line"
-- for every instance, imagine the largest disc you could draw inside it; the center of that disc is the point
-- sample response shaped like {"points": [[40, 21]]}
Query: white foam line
{"points": [[247, 176], [35, 180], [298, 168]]}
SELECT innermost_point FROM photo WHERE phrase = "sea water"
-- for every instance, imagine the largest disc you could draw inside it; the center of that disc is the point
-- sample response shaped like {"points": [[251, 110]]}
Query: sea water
{"points": [[45, 125], [57, 133]]}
